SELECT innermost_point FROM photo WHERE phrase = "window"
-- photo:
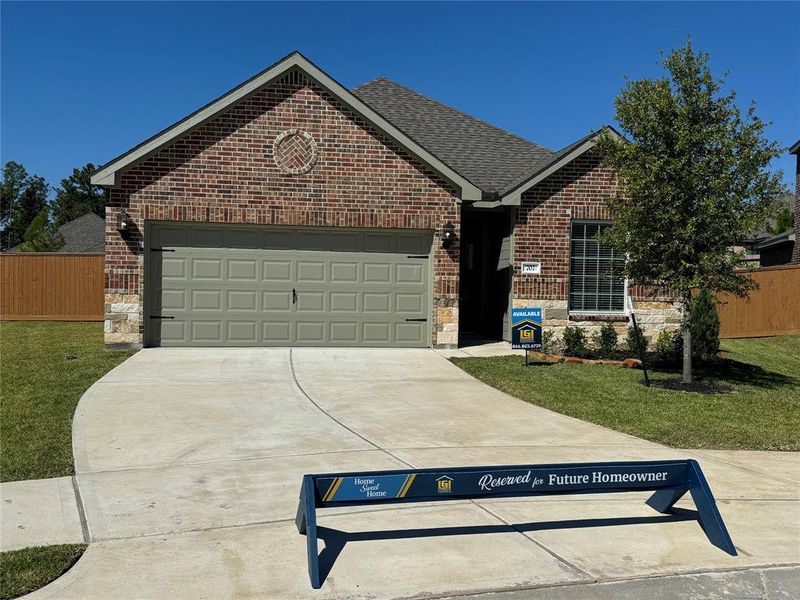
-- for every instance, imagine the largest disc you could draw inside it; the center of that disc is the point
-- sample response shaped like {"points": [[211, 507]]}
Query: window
{"points": [[595, 280]]}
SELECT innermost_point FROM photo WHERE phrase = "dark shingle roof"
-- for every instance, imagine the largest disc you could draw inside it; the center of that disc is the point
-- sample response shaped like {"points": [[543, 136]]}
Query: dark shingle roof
{"points": [[84, 234], [542, 165], [785, 237], [487, 156]]}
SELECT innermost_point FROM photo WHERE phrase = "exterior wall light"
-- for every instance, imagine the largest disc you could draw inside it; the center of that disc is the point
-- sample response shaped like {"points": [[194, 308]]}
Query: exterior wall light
{"points": [[448, 234], [124, 223]]}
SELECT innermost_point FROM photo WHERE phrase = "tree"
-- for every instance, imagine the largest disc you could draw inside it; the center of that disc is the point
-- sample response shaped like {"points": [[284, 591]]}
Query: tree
{"points": [[76, 196], [705, 325], [22, 198], [693, 175], [784, 219], [42, 235]]}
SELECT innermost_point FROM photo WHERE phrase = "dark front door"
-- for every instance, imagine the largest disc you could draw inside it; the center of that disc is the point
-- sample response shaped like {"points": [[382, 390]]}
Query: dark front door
{"points": [[485, 273]]}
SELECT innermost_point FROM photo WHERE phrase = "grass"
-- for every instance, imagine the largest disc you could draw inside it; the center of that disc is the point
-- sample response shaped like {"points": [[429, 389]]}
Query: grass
{"points": [[44, 370], [22, 571], [761, 413]]}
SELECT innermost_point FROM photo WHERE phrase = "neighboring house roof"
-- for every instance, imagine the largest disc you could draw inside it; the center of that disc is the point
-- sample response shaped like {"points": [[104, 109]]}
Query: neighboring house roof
{"points": [[84, 234], [488, 156], [762, 233], [795, 147], [785, 237], [107, 174]]}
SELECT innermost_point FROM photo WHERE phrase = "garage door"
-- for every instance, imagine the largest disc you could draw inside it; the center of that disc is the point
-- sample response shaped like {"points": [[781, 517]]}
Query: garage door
{"points": [[211, 285]]}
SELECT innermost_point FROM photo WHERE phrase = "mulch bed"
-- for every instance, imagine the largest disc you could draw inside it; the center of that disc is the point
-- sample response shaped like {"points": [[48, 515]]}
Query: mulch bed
{"points": [[629, 363]]}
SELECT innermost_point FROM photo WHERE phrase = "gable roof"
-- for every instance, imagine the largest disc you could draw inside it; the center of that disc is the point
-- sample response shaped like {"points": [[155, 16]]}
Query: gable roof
{"points": [[488, 156], [489, 166], [84, 234], [513, 192], [795, 148], [107, 174]]}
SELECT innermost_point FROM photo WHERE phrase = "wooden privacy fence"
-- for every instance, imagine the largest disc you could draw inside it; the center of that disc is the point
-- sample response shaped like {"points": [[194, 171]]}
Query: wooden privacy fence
{"points": [[51, 287], [772, 309]]}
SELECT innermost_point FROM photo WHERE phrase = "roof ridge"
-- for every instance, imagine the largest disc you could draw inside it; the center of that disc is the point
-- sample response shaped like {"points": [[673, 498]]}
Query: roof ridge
{"points": [[371, 81], [461, 112], [85, 215]]}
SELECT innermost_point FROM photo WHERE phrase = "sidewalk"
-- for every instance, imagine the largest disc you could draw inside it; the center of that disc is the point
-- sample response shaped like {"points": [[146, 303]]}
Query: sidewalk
{"points": [[39, 512], [752, 584]]}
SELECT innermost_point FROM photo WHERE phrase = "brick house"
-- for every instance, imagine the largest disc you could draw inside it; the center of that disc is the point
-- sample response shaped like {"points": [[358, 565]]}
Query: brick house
{"points": [[784, 248], [293, 211]]}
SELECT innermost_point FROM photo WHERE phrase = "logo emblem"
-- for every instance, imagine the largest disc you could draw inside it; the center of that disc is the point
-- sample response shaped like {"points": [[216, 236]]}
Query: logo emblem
{"points": [[444, 485], [526, 328]]}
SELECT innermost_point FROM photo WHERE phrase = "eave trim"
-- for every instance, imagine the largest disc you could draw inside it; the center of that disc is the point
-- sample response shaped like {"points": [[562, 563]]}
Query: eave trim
{"points": [[514, 197], [107, 175]]}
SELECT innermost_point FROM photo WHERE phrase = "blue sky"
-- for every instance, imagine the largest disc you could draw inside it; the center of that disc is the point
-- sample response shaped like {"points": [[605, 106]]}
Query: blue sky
{"points": [[83, 82]]}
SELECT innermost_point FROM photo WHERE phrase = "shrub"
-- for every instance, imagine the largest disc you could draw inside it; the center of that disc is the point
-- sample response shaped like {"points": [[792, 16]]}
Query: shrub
{"points": [[605, 339], [635, 341], [550, 343], [669, 346], [705, 325], [575, 341]]}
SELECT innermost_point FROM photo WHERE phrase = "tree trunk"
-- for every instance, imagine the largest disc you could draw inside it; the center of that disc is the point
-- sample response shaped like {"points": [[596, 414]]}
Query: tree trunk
{"points": [[687, 338]]}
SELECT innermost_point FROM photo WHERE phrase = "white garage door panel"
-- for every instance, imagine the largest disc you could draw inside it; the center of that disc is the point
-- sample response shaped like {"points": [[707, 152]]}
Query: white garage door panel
{"points": [[259, 286]]}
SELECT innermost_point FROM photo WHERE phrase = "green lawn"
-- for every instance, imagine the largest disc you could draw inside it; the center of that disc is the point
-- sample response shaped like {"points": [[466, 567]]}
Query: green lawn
{"points": [[761, 413], [22, 571], [44, 369]]}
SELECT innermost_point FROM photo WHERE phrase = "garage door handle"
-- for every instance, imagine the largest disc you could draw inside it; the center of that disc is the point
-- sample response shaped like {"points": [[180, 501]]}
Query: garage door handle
{"points": [[160, 317], [294, 296], [417, 320]]}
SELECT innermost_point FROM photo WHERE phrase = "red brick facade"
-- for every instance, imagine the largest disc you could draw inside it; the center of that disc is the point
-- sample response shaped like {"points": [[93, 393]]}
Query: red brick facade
{"points": [[224, 172], [542, 233], [338, 170], [542, 224]]}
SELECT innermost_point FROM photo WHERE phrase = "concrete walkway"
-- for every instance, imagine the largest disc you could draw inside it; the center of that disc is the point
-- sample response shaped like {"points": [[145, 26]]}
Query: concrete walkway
{"points": [[189, 463], [42, 512]]}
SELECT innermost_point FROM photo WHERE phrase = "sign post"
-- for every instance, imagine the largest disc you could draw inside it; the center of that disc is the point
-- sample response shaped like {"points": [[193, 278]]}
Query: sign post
{"points": [[640, 351], [526, 329], [669, 479]]}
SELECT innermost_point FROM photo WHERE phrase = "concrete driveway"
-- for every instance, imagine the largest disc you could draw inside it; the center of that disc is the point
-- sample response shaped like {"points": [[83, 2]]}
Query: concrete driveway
{"points": [[189, 463]]}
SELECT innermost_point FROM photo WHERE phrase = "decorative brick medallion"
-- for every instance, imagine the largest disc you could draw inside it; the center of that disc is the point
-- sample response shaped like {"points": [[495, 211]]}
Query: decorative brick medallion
{"points": [[295, 152]]}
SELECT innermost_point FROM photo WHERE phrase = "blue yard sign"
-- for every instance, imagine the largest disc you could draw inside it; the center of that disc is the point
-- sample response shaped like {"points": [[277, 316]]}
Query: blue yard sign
{"points": [[526, 328], [669, 479]]}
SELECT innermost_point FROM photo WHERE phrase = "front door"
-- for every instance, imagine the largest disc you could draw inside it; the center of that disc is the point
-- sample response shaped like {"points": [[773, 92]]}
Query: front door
{"points": [[485, 273]]}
